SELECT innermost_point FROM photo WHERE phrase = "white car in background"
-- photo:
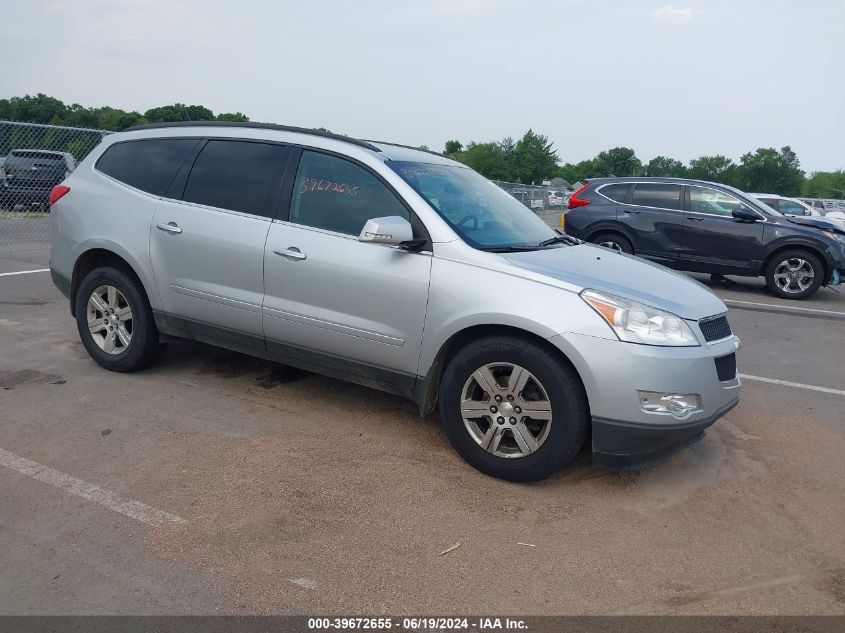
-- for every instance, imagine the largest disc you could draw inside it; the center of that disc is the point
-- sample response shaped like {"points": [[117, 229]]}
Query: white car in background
{"points": [[557, 198], [787, 206]]}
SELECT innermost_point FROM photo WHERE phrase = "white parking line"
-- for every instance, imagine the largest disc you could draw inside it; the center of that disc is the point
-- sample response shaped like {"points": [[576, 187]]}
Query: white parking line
{"points": [[26, 272], [129, 507], [780, 306], [798, 385]]}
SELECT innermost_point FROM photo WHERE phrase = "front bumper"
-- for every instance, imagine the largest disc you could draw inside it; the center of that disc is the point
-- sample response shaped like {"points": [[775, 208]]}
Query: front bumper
{"points": [[625, 446], [614, 373]]}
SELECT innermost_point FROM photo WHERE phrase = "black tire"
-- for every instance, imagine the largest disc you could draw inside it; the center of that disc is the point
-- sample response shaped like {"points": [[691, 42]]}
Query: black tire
{"points": [[795, 255], [144, 346], [570, 418], [622, 242]]}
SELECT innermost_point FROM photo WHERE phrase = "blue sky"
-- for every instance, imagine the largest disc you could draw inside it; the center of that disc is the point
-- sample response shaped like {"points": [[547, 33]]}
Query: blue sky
{"points": [[679, 79]]}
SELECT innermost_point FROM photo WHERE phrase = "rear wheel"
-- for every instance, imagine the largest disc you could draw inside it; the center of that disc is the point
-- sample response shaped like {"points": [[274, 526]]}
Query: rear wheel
{"points": [[794, 274], [613, 241], [115, 321], [512, 409]]}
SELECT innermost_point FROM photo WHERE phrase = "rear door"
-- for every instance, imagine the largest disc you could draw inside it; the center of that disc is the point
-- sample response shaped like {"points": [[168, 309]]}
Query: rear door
{"points": [[332, 300], [715, 241], [207, 240], [653, 218]]}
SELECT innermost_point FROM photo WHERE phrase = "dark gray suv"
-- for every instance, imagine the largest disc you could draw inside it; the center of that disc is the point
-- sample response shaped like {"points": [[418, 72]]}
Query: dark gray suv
{"points": [[706, 227], [30, 174]]}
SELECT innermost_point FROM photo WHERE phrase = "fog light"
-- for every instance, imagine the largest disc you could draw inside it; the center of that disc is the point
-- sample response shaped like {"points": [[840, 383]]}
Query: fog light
{"points": [[678, 405]]}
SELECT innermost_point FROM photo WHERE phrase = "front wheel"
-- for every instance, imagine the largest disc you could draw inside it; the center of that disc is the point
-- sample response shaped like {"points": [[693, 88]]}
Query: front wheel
{"points": [[512, 409], [794, 274], [115, 321]]}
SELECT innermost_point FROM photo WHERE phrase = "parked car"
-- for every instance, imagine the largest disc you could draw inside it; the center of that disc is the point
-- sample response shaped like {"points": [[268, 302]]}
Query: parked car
{"points": [[394, 268], [556, 198], [30, 174], [787, 206], [2, 171], [707, 227]]}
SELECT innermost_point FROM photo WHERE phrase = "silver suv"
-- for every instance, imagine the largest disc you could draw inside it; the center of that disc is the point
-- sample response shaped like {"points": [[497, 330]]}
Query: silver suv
{"points": [[397, 269]]}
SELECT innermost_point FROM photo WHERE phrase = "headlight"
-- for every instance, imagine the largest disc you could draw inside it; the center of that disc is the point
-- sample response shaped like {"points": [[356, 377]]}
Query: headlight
{"points": [[638, 323], [836, 236]]}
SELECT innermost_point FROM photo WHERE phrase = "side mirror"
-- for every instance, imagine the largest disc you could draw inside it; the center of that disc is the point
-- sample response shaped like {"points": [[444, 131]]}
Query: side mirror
{"points": [[745, 214], [392, 231]]}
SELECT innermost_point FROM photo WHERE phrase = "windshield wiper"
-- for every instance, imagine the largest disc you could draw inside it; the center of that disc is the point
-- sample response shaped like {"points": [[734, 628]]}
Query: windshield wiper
{"points": [[509, 249], [561, 239]]}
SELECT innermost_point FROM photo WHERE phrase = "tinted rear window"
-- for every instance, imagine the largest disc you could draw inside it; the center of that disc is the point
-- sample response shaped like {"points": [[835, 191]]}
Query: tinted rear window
{"points": [[657, 195], [236, 175], [149, 165], [615, 192]]}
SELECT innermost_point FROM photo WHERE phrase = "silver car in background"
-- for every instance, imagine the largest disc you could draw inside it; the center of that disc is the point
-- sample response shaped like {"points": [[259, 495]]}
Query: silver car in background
{"points": [[393, 268]]}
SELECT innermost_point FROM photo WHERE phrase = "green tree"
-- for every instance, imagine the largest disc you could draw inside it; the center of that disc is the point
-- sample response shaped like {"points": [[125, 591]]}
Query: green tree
{"points": [[621, 161], [236, 117], [771, 171], [825, 184], [665, 166], [178, 112], [533, 159], [716, 168], [453, 147], [488, 159]]}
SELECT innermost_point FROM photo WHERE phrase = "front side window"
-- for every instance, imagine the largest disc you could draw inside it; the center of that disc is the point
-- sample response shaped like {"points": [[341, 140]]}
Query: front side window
{"points": [[236, 175], [149, 164], [335, 194], [662, 196], [484, 215], [712, 201]]}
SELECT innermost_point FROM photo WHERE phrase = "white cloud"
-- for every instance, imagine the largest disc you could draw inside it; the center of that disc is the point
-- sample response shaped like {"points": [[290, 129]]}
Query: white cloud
{"points": [[672, 14]]}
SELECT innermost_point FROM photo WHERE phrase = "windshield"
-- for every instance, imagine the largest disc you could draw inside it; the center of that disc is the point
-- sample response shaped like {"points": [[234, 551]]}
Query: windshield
{"points": [[480, 212]]}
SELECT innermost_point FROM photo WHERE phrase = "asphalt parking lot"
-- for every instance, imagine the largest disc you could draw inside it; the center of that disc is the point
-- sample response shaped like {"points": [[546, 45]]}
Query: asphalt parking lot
{"points": [[217, 483]]}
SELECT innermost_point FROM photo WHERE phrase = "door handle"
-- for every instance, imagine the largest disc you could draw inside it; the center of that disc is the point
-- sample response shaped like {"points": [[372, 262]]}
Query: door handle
{"points": [[695, 219], [630, 212], [293, 252], [170, 227]]}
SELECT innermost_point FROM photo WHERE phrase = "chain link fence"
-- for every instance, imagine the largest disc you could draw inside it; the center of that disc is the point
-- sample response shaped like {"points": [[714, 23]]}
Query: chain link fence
{"points": [[33, 159]]}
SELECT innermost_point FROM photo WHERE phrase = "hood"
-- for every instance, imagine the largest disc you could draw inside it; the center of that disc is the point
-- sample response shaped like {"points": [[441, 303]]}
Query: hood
{"points": [[624, 275], [826, 224]]}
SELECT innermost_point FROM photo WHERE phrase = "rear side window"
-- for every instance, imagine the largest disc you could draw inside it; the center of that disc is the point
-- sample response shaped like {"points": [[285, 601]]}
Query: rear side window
{"points": [[772, 202], [657, 195], [336, 194], [236, 175], [149, 164], [616, 191]]}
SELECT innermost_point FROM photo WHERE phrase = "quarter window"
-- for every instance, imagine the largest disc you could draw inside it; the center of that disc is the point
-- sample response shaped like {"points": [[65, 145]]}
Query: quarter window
{"points": [[236, 175], [149, 165], [712, 201], [616, 191], [662, 196], [335, 194]]}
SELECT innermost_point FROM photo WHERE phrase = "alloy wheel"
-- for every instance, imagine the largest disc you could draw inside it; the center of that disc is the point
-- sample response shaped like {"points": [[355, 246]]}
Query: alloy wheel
{"points": [[506, 410], [794, 275], [109, 320]]}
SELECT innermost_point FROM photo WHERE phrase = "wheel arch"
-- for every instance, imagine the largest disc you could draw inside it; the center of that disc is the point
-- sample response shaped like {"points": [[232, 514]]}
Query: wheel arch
{"points": [[95, 258], [427, 390]]}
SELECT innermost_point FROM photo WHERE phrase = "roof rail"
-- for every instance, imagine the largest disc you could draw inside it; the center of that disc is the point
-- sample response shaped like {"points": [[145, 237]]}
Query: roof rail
{"points": [[419, 149], [262, 126]]}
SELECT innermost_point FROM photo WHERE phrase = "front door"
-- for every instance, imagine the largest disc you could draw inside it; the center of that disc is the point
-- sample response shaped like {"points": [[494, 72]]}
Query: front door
{"points": [[715, 241], [332, 300], [207, 249]]}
